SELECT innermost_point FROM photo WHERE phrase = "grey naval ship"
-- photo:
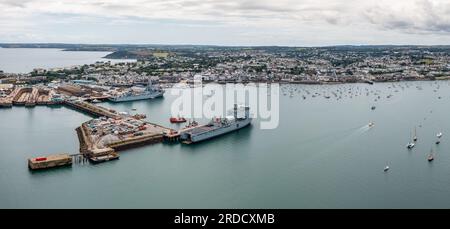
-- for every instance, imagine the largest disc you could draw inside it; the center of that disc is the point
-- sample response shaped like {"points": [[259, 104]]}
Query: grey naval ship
{"points": [[216, 127], [150, 92]]}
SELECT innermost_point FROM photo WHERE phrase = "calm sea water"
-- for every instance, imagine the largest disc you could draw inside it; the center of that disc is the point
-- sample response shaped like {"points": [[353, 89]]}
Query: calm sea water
{"points": [[322, 155], [24, 60]]}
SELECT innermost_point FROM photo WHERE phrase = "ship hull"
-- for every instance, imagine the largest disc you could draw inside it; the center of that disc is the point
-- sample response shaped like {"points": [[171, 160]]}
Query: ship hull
{"points": [[198, 137]]}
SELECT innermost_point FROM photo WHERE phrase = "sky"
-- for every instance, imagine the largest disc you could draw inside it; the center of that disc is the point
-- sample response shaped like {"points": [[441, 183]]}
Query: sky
{"points": [[227, 22]]}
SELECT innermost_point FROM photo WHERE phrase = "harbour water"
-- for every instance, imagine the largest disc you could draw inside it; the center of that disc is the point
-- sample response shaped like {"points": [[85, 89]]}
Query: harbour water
{"points": [[24, 60], [322, 155]]}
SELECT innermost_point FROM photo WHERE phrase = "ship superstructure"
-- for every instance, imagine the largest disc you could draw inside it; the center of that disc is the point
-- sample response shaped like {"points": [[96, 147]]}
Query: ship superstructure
{"points": [[150, 92]]}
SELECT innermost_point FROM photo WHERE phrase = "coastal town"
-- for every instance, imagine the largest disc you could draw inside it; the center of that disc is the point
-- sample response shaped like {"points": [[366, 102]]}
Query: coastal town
{"points": [[316, 65]]}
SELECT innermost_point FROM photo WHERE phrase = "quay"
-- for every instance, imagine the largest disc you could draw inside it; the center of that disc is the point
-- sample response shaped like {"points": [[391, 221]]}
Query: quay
{"points": [[102, 136]]}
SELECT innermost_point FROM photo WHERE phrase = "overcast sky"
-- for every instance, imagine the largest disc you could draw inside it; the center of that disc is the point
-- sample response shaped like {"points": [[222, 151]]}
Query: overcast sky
{"points": [[227, 22]]}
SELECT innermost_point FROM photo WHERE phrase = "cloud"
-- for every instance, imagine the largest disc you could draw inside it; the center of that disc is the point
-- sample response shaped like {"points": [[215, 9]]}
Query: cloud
{"points": [[419, 16], [342, 19]]}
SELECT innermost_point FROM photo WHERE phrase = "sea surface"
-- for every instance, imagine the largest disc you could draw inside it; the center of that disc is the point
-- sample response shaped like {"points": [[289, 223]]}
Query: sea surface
{"points": [[322, 155], [24, 60]]}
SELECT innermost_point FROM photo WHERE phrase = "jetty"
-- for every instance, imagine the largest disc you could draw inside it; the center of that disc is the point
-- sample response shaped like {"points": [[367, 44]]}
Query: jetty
{"points": [[91, 109], [51, 161]]}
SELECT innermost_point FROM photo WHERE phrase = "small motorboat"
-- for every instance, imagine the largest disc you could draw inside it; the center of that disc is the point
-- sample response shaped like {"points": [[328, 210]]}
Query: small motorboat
{"points": [[439, 135], [371, 124], [415, 135], [133, 109], [177, 120], [430, 156], [410, 145], [386, 168], [140, 116], [437, 142], [373, 107], [96, 101]]}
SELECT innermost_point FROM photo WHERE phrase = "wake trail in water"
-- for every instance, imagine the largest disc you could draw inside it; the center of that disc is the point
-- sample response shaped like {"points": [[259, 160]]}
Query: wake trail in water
{"points": [[340, 135]]}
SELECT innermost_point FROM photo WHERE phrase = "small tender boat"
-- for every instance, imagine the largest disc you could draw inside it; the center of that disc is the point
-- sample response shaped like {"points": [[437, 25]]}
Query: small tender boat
{"points": [[439, 135], [437, 142], [105, 158], [133, 109], [177, 120]]}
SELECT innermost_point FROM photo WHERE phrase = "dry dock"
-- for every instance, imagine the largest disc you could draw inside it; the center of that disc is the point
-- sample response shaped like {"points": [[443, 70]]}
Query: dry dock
{"points": [[51, 161], [32, 98], [8, 101], [22, 96], [44, 97]]}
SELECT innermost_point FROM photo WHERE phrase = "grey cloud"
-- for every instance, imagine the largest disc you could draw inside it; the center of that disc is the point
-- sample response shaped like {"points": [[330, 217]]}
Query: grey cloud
{"points": [[425, 16], [280, 18], [14, 3]]}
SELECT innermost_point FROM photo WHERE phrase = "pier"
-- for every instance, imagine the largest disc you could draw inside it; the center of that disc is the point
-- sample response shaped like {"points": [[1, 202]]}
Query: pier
{"points": [[101, 137]]}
